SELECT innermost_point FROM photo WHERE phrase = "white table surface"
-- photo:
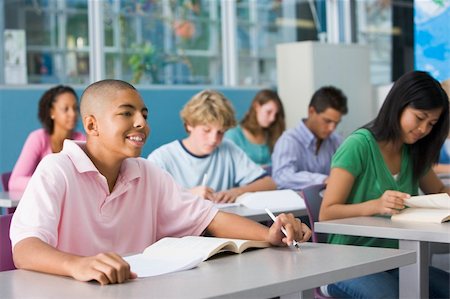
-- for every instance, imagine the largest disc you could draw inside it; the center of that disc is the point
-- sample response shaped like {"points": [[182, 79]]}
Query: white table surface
{"points": [[9, 199], [411, 235], [261, 215], [260, 273]]}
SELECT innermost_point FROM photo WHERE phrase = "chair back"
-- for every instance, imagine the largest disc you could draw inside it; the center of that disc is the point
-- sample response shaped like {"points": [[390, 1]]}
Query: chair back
{"points": [[312, 196], [6, 261], [5, 180]]}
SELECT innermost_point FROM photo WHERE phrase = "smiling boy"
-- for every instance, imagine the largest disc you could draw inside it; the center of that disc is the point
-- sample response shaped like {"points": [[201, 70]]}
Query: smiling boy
{"points": [[95, 201], [205, 163]]}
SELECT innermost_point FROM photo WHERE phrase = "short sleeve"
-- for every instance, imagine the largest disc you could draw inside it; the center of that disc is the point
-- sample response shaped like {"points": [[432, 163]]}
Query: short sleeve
{"points": [[40, 206], [351, 154], [247, 171]]}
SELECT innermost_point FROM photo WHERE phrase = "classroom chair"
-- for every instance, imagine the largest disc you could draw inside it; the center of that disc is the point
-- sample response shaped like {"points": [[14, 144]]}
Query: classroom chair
{"points": [[5, 180], [312, 195], [268, 170], [6, 261]]}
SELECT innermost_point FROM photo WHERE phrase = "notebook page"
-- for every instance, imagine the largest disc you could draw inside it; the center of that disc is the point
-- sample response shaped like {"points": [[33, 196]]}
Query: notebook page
{"points": [[145, 266], [435, 201], [276, 200]]}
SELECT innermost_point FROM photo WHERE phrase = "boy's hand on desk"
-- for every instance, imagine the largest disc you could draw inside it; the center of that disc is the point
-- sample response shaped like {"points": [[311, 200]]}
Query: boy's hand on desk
{"points": [[106, 268], [227, 196], [296, 230], [391, 202], [203, 191]]}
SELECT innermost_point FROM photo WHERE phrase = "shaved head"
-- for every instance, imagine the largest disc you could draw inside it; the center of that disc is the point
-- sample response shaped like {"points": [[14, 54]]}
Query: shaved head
{"points": [[97, 95]]}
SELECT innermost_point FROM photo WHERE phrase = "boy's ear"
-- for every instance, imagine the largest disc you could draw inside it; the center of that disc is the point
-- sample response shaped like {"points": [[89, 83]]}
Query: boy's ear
{"points": [[188, 128], [90, 125], [311, 110]]}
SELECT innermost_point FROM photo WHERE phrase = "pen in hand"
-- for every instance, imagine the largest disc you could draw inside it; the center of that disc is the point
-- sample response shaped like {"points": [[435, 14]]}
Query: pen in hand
{"points": [[205, 179], [272, 216]]}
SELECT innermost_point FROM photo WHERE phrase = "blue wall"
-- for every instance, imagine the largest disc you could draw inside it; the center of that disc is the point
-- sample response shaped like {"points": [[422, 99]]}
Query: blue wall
{"points": [[18, 115]]}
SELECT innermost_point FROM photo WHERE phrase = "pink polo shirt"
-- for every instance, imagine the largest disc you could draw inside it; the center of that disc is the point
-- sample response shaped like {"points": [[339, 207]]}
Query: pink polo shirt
{"points": [[67, 204]]}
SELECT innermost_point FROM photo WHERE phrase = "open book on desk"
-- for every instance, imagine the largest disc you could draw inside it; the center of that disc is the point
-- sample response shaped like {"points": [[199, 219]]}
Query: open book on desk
{"points": [[433, 208], [176, 254], [275, 200]]}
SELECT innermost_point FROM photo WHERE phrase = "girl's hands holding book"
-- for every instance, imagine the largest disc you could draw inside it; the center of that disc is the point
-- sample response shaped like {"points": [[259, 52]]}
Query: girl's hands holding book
{"points": [[391, 202]]}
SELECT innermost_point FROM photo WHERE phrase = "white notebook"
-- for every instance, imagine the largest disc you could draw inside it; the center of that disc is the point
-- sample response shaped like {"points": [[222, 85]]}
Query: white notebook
{"points": [[275, 200], [434, 208], [177, 254]]}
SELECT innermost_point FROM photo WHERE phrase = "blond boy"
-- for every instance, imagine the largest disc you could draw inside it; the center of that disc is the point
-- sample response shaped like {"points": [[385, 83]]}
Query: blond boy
{"points": [[205, 163]]}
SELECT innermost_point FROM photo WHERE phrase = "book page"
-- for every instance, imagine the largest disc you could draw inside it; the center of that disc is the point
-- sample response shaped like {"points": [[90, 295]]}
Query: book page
{"points": [[276, 200], [422, 215], [243, 245], [434, 201], [145, 266], [191, 245], [176, 254]]}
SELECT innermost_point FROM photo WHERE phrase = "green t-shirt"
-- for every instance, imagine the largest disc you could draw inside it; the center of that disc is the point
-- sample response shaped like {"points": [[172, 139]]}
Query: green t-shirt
{"points": [[259, 153], [360, 155]]}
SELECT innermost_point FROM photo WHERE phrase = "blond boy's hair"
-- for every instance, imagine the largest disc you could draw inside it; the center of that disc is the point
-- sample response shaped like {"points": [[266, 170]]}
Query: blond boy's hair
{"points": [[208, 107]]}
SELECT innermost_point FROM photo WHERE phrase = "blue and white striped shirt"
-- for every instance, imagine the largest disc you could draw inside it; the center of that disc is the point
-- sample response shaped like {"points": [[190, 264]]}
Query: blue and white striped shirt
{"points": [[295, 162]]}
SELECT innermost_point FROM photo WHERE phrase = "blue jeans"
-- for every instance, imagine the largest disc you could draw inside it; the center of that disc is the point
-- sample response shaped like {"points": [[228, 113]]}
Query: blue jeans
{"points": [[385, 285]]}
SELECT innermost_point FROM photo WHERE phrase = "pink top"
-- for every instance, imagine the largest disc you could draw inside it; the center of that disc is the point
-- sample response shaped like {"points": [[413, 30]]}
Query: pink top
{"points": [[67, 204], [36, 147]]}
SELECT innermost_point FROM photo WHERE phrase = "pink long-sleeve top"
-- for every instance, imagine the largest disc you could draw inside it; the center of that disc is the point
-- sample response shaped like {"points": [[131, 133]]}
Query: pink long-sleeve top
{"points": [[36, 147]]}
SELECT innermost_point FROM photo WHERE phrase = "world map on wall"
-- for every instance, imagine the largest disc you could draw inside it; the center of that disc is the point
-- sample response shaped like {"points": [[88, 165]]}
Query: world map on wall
{"points": [[432, 37]]}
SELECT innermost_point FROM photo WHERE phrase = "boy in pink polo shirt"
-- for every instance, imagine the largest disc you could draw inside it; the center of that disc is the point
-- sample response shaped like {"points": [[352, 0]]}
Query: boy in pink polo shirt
{"points": [[96, 200]]}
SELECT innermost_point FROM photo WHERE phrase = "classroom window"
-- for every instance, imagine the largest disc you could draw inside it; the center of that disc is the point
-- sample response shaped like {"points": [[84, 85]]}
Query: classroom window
{"points": [[162, 42], [56, 34], [180, 41]]}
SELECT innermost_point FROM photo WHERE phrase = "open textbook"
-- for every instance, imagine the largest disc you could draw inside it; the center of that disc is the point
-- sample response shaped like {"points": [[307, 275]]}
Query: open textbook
{"points": [[434, 208], [275, 200], [177, 254]]}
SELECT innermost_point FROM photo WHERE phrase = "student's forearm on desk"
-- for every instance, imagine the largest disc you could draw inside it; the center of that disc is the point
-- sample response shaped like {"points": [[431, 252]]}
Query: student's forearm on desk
{"points": [[227, 225], [442, 169], [230, 195], [18, 183], [34, 254], [264, 184], [339, 211]]}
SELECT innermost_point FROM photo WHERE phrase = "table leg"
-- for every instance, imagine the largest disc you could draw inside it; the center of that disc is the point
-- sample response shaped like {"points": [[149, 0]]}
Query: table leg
{"points": [[306, 294], [413, 279]]}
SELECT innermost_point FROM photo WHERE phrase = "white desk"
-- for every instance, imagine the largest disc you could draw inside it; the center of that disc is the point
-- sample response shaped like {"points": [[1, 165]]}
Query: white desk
{"points": [[411, 235], [261, 215], [9, 199], [261, 273]]}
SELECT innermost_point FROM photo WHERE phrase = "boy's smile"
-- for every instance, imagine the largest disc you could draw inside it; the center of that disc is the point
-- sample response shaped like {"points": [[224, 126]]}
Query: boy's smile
{"points": [[123, 127]]}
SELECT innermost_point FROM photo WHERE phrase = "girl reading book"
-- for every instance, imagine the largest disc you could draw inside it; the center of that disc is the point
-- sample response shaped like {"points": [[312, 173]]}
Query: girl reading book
{"points": [[382, 164]]}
